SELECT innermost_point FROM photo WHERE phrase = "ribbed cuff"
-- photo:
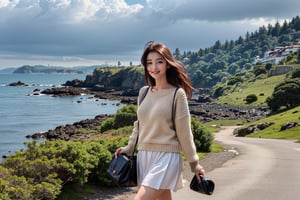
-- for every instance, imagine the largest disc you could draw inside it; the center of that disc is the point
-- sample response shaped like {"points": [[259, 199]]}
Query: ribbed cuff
{"points": [[195, 166], [126, 150]]}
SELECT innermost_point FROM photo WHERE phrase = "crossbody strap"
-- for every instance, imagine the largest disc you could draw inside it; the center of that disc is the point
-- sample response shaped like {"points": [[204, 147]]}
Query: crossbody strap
{"points": [[173, 108], [144, 95]]}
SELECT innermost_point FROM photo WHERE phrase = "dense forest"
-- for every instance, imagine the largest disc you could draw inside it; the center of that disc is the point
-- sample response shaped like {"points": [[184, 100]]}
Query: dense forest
{"points": [[218, 63]]}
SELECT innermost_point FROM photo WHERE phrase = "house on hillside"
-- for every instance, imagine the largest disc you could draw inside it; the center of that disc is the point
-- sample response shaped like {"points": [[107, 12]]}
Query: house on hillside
{"points": [[279, 53]]}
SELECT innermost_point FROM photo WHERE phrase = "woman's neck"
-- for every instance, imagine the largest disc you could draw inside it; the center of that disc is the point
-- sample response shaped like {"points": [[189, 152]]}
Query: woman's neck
{"points": [[162, 86]]}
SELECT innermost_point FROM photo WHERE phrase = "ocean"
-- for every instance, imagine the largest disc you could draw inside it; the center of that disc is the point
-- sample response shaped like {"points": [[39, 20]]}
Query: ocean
{"points": [[22, 113]]}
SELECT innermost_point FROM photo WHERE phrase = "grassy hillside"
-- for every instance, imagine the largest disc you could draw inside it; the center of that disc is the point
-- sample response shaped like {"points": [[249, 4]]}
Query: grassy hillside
{"points": [[279, 119], [262, 88], [272, 131]]}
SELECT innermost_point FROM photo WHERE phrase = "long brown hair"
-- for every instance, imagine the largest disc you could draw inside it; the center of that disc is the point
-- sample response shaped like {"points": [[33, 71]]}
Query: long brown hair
{"points": [[176, 73]]}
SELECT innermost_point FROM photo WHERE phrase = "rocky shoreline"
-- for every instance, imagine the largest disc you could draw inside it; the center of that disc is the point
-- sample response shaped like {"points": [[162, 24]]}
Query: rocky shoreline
{"points": [[205, 112]]}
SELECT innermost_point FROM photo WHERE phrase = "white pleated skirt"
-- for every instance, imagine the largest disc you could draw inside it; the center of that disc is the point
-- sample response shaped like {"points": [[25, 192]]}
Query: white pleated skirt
{"points": [[160, 170]]}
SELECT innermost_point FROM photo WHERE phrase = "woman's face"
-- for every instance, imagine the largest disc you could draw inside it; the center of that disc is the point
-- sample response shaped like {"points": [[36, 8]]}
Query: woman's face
{"points": [[156, 66]]}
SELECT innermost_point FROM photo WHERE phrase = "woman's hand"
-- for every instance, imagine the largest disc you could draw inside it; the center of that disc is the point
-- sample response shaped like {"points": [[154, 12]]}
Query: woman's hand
{"points": [[118, 151], [199, 172]]}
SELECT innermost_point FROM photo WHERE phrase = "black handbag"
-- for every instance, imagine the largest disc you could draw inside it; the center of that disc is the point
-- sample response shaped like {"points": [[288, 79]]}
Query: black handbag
{"points": [[123, 170], [205, 186]]}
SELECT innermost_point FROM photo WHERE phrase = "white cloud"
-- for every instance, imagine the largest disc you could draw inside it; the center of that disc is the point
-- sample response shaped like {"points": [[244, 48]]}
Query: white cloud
{"points": [[4, 3], [83, 30]]}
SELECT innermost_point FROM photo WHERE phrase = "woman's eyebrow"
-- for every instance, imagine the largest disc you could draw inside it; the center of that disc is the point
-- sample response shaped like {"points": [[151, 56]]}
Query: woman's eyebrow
{"points": [[160, 58]]}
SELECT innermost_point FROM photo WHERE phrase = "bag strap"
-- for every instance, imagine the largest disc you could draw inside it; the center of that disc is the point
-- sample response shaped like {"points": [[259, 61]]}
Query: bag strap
{"points": [[173, 108], [144, 95]]}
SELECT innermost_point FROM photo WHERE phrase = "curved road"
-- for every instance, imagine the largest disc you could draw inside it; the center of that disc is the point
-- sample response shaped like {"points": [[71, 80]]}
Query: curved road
{"points": [[265, 169]]}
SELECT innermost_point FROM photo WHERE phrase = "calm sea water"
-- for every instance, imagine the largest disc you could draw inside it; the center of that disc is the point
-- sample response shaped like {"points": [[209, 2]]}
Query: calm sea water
{"points": [[22, 113]]}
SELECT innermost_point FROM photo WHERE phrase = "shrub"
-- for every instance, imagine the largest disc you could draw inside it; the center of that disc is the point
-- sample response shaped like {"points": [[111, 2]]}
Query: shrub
{"points": [[260, 70], [251, 98], [285, 94], [235, 79], [107, 125], [296, 73], [124, 117], [268, 66], [40, 171], [21, 187], [202, 137]]}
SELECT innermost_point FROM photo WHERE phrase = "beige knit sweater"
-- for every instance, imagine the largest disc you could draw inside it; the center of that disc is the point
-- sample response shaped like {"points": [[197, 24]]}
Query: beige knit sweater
{"points": [[155, 129]]}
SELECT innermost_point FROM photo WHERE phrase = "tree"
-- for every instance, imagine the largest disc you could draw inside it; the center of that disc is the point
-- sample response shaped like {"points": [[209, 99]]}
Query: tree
{"points": [[259, 70], [233, 67], [262, 30], [247, 37], [235, 79], [284, 27], [248, 66], [240, 40], [276, 29], [177, 54], [296, 73], [217, 45], [285, 94], [268, 66]]}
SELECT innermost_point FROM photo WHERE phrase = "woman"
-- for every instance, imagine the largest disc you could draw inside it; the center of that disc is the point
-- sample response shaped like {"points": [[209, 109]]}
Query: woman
{"points": [[159, 160]]}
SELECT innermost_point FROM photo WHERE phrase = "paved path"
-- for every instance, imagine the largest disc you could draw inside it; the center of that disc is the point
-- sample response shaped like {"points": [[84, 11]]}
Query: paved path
{"points": [[265, 169]]}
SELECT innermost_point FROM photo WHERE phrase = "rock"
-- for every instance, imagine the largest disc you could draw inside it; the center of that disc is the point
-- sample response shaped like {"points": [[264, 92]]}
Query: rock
{"points": [[241, 132], [70, 131], [75, 83], [289, 125], [204, 99], [64, 91], [19, 83], [210, 112]]}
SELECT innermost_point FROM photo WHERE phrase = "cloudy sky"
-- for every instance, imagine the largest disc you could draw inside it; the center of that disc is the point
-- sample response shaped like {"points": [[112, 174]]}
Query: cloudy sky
{"points": [[88, 32]]}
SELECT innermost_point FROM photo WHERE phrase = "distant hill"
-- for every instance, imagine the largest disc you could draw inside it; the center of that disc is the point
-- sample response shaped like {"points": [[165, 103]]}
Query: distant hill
{"points": [[28, 69], [7, 70]]}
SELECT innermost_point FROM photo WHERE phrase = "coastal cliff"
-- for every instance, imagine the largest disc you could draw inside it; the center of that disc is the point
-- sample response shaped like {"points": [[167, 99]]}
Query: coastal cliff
{"points": [[126, 79]]}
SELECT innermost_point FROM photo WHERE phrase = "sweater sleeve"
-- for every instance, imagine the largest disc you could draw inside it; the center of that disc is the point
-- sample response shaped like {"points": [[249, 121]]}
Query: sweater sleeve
{"points": [[184, 130], [129, 149]]}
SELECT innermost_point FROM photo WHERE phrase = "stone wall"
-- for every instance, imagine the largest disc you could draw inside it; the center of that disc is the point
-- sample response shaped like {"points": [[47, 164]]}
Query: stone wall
{"points": [[280, 70]]}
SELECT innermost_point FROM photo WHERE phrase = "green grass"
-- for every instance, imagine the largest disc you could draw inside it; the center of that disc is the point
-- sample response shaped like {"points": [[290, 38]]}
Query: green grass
{"points": [[272, 131], [279, 119], [214, 148], [262, 88], [214, 126]]}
